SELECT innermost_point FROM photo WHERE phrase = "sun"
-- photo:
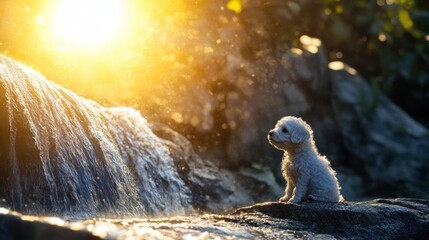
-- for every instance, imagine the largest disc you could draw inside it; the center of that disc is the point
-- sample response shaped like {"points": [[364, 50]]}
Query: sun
{"points": [[87, 23]]}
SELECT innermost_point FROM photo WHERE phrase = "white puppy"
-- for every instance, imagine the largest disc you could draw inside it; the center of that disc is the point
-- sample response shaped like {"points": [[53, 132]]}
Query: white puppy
{"points": [[309, 176]]}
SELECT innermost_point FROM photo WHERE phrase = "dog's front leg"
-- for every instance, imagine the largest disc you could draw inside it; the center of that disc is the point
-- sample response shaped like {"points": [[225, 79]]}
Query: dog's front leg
{"points": [[288, 192], [301, 188]]}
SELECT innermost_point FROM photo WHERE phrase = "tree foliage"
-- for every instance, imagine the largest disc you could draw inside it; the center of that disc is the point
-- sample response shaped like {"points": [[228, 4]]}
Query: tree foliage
{"points": [[386, 40]]}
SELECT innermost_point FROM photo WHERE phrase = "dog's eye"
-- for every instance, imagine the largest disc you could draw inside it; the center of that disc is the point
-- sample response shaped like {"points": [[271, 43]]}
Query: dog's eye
{"points": [[284, 130]]}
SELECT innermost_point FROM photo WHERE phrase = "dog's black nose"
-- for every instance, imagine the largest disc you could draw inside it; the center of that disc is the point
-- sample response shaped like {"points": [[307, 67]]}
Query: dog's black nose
{"points": [[271, 132]]}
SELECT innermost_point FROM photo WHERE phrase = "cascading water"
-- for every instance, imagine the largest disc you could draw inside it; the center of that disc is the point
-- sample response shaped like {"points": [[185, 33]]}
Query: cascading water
{"points": [[70, 155]]}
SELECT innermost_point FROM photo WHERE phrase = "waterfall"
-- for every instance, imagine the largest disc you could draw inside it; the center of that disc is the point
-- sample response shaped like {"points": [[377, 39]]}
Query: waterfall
{"points": [[69, 155]]}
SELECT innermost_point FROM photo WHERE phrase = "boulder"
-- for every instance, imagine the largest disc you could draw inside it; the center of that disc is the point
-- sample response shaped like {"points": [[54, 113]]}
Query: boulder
{"points": [[376, 219]]}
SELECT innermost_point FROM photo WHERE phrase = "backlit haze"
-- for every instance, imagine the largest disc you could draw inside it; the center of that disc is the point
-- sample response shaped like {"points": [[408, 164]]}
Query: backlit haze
{"points": [[102, 49]]}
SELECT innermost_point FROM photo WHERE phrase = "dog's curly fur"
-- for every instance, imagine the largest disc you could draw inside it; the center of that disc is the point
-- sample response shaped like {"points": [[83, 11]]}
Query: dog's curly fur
{"points": [[309, 175]]}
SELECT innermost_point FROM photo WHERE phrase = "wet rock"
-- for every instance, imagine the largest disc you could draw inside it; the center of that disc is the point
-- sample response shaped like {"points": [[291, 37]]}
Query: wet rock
{"points": [[14, 226], [376, 219], [68, 154], [63, 154]]}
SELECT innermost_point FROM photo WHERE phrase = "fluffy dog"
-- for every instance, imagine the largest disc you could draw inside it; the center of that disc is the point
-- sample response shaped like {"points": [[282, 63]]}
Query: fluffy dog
{"points": [[309, 176]]}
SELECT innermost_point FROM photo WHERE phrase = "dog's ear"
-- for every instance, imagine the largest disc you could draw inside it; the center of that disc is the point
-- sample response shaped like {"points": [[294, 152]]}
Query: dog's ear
{"points": [[300, 133]]}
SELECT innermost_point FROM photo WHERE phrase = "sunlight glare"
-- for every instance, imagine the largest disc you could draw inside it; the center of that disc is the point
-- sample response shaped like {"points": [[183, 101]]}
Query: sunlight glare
{"points": [[310, 44], [4, 211], [54, 221], [297, 51], [338, 65], [88, 23]]}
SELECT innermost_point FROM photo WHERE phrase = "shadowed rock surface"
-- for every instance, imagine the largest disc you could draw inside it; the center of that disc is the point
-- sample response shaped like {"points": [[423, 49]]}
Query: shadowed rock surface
{"points": [[377, 219], [14, 226]]}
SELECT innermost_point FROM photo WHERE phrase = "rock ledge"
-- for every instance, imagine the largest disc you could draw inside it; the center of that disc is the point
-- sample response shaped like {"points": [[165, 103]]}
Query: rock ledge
{"points": [[376, 219]]}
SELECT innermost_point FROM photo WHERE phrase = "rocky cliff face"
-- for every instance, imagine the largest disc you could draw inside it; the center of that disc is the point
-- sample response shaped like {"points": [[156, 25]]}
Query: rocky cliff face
{"points": [[375, 146], [361, 131], [225, 100]]}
